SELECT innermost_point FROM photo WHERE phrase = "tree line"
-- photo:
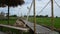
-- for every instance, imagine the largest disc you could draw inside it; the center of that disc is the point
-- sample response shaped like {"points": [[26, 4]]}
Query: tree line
{"points": [[39, 16]]}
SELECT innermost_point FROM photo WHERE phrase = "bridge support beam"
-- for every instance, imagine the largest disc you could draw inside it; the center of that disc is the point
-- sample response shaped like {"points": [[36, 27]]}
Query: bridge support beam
{"points": [[34, 16], [52, 15]]}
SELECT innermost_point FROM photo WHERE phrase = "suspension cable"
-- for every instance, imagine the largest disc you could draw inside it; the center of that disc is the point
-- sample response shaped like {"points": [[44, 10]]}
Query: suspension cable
{"points": [[57, 4], [29, 10], [43, 8]]}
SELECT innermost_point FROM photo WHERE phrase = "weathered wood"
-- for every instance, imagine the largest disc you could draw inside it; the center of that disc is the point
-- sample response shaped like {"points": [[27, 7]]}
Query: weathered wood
{"points": [[2, 32], [18, 28], [40, 29], [19, 23]]}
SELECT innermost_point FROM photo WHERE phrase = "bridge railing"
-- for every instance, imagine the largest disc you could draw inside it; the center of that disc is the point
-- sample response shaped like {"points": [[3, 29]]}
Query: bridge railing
{"points": [[19, 29]]}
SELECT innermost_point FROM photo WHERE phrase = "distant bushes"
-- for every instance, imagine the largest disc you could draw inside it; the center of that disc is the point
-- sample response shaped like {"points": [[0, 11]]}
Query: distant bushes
{"points": [[12, 16], [37, 16]]}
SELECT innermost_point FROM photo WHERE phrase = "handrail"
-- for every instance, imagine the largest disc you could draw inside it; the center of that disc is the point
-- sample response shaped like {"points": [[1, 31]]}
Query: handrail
{"points": [[18, 28]]}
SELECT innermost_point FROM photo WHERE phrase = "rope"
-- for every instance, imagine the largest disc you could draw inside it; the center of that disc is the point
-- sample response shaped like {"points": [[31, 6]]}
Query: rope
{"points": [[43, 8], [57, 4], [29, 10]]}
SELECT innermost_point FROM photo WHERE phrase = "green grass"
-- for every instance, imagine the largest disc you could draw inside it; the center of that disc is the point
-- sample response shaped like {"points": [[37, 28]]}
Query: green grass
{"points": [[12, 20], [47, 21]]}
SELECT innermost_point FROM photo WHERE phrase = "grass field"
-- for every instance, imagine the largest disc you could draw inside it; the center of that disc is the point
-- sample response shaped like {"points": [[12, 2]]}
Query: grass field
{"points": [[12, 20], [47, 21]]}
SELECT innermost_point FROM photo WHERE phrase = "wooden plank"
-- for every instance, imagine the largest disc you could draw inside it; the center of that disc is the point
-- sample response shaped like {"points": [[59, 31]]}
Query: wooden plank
{"points": [[40, 29], [2, 32], [18, 28]]}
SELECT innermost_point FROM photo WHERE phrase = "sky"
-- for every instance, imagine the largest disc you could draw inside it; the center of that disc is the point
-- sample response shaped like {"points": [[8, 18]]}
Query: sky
{"points": [[23, 10]]}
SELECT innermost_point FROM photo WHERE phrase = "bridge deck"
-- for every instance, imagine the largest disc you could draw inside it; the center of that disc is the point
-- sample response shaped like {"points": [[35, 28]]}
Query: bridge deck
{"points": [[2, 32], [40, 29]]}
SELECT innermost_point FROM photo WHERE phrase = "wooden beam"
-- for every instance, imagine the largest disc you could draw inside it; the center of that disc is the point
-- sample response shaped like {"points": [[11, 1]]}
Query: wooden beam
{"points": [[52, 15], [8, 12], [13, 27]]}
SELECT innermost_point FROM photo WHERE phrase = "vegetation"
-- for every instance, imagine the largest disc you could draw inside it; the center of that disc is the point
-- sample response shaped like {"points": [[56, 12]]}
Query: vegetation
{"points": [[46, 21], [13, 16], [12, 20]]}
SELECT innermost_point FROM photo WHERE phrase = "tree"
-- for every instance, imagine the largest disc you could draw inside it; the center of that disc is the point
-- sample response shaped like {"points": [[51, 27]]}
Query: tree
{"points": [[13, 15], [46, 15], [56, 16], [10, 3]]}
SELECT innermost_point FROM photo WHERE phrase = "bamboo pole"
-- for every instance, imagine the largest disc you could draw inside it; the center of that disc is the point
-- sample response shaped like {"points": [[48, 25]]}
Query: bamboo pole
{"points": [[34, 17], [52, 15]]}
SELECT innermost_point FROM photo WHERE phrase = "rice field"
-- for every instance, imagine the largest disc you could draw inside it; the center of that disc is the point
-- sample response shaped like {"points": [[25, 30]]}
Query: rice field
{"points": [[47, 21]]}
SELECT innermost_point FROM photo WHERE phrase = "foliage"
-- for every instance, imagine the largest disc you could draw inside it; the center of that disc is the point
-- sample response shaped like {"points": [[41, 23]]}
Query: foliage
{"points": [[13, 3], [37, 16], [13, 16], [12, 20]]}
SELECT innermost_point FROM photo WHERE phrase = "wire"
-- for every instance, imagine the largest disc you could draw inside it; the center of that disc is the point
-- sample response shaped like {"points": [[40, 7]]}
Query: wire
{"points": [[43, 8], [57, 4]]}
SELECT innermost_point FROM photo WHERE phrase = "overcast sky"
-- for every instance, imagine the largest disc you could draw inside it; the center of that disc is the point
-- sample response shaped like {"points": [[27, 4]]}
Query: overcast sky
{"points": [[39, 5]]}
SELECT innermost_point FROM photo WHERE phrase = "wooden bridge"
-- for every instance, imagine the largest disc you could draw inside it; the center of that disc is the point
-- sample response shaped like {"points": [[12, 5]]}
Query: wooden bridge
{"points": [[39, 29], [2, 32]]}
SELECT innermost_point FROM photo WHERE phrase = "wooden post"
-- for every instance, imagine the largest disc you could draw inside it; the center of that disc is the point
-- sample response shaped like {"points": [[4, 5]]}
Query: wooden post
{"points": [[8, 14], [21, 32], [34, 17], [52, 15], [1, 28]]}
